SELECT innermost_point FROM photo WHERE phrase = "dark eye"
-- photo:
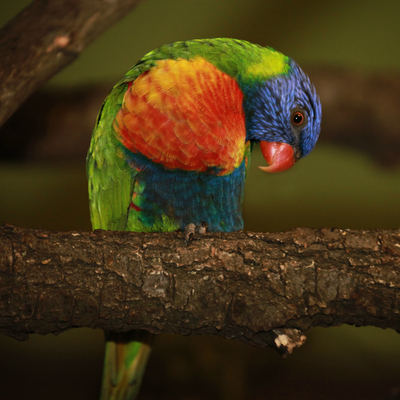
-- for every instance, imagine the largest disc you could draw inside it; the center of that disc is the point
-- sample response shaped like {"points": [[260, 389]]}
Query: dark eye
{"points": [[298, 118]]}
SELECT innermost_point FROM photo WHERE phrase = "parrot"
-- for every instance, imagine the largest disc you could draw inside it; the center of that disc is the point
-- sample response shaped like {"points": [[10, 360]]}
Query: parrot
{"points": [[172, 145]]}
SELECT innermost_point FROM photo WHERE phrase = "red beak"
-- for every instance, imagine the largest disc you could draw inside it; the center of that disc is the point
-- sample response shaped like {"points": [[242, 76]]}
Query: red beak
{"points": [[279, 156]]}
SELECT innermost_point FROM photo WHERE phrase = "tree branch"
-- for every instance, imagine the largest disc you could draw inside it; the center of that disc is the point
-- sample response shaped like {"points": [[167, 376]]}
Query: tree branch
{"points": [[238, 285], [44, 38]]}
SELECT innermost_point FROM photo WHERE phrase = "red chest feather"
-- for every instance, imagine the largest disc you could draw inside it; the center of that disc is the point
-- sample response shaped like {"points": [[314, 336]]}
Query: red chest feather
{"points": [[184, 114]]}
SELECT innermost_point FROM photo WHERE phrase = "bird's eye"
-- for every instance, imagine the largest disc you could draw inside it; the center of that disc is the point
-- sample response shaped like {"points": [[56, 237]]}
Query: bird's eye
{"points": [[298, 118]]}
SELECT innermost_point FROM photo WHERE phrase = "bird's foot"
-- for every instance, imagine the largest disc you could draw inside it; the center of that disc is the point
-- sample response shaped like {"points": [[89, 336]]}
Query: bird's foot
{"points": [[191, 230]]}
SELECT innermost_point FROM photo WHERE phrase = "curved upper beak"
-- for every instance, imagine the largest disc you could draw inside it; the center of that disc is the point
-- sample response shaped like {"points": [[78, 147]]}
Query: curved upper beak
{"points": [[279, 156]]}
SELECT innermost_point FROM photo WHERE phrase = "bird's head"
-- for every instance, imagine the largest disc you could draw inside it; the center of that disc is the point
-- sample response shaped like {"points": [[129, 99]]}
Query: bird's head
{"points": [[283, 114]]}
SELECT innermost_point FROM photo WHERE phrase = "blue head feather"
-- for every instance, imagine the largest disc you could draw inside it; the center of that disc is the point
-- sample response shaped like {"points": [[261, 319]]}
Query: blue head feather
{"points": [[268, 107]]}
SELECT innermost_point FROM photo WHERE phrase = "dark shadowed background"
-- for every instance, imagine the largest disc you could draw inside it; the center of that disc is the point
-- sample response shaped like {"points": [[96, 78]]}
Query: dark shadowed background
{"points": [[333, 187]]}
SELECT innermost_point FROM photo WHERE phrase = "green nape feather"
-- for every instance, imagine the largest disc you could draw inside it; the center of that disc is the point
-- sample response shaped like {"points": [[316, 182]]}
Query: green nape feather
{"points": [[237, 58]]}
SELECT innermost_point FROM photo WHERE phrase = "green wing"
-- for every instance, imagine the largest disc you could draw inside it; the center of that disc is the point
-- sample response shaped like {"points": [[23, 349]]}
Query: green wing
{"points": [[239, 59], [110, 178]]}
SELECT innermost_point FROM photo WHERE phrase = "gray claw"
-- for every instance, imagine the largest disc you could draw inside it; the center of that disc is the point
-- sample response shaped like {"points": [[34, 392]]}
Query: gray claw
{"points": [[189, 232], [202, 228], [191, 229]]}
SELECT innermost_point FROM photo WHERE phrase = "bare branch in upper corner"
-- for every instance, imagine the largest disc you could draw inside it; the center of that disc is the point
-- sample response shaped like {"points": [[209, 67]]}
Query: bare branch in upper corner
{"points": [[44, 38]]}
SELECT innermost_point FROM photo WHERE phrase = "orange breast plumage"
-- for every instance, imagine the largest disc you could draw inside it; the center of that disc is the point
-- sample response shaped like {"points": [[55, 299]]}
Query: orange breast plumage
{"points": [[184, 115]]}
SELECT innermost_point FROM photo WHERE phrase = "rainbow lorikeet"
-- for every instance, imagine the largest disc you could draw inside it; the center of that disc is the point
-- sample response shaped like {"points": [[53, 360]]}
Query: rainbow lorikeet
{"points": [[172, 144]]}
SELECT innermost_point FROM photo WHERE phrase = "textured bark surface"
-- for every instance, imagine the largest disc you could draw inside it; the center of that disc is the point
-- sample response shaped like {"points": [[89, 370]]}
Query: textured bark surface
{"points": [[239, 285], [44, 38]]}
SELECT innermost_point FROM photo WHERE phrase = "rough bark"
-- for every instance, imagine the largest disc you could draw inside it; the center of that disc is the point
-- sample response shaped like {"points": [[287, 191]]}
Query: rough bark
{"points": [[239, 285], [44, 38]]}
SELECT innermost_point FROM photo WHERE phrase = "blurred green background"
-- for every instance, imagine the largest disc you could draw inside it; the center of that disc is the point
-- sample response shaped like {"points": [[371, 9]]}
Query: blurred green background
{"points": [[333, 187]]}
